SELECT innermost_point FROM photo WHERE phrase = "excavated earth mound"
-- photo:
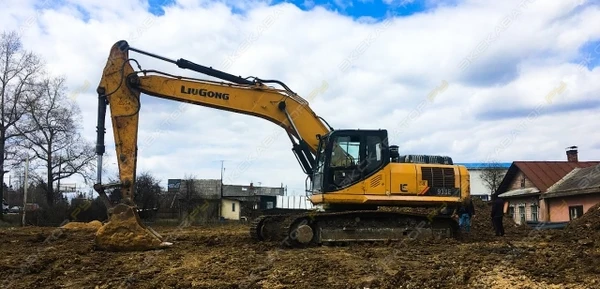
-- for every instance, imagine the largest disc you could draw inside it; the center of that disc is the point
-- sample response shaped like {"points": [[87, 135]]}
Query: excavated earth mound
{"points": [[125, 235], [93, 225], [124, 232], [588, 223], [584, 230], [483, 229]]}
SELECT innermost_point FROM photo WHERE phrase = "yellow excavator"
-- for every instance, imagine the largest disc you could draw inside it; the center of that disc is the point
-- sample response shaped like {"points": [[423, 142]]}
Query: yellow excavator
{"points": [[351, 173]]}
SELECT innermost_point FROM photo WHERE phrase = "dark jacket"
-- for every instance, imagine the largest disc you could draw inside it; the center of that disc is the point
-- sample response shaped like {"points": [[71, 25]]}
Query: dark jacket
{"points": [[498, 208], [466, 209]]}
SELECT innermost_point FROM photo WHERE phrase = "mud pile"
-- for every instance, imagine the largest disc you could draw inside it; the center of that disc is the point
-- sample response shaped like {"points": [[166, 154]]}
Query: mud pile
{"points": [[483, 228], [125, 235], [124, 232], [93, 225], [588, 223], [585, 230]]}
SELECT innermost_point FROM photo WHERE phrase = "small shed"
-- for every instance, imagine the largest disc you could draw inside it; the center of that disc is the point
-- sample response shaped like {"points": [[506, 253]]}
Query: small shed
{"points": [[230, 209]]}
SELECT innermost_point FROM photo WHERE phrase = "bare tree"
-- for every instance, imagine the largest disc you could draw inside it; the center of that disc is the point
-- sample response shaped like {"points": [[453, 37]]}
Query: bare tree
{"points": [[18, 72], [53, 135], [189, 192], [492, 176], [147, 191]]}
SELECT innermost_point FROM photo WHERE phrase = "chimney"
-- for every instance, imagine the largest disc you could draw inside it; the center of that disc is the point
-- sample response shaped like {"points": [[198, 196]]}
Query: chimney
{"points": [[572, 154]]}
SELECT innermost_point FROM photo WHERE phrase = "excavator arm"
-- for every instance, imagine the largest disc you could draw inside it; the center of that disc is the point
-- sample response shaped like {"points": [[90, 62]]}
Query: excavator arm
{"points": [[120, 89]]}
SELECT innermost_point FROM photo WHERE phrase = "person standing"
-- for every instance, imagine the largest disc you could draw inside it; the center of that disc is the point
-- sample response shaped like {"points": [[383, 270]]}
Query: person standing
{"points": [[497, 215], [465, 212]]}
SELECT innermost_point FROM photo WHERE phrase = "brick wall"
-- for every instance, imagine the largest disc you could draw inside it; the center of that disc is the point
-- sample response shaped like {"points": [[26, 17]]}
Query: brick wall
{"points": [[206, 189]]}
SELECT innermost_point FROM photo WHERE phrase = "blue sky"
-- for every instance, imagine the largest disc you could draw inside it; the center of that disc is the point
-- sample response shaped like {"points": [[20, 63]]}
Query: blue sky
{"points": [[372, 8], [589, 54]]}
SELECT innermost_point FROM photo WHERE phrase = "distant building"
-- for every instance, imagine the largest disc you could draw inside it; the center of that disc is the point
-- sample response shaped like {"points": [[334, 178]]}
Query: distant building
{"points": [[479, 188], [236, 201]]}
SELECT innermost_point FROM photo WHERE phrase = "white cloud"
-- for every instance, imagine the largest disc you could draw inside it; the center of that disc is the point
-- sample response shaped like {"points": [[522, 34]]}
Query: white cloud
{"points": [[393, 66]]}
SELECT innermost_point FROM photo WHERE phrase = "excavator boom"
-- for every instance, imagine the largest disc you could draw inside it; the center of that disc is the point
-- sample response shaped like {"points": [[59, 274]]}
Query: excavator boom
{"points": [[121, 86]]}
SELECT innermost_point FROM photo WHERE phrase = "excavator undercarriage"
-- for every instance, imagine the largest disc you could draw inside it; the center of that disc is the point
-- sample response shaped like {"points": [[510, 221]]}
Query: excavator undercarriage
{"points": [[316, 228]]}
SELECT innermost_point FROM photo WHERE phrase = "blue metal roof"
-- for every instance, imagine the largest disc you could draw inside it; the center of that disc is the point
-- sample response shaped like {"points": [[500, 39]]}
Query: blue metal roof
{"points": [[474, 166]]}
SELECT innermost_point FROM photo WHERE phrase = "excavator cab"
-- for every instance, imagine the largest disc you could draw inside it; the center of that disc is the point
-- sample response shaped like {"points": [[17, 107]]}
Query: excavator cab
{"points": [[346, 157]]}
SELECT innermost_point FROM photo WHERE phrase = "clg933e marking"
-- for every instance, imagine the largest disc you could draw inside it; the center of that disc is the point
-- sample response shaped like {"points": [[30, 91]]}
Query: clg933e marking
{"points": [[433, 191], [204, 92]]}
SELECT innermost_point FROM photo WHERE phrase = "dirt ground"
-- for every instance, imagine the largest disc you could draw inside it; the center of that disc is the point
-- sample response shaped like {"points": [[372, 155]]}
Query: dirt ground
{"points": [[223, 256]]}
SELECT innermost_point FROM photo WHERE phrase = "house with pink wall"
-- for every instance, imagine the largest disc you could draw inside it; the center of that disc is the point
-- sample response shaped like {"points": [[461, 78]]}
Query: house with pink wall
{"points": [[526, 184], [573, 195]]}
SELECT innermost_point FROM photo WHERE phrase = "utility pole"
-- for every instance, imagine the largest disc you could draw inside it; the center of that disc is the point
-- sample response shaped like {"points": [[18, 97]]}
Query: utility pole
{"points": [[222, 161], [25, 190], [221, 192]]}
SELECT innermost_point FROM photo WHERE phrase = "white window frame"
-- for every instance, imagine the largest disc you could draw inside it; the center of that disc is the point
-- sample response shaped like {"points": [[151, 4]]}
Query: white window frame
{"points": [[535, 212], [514, 211], [523, 215]]}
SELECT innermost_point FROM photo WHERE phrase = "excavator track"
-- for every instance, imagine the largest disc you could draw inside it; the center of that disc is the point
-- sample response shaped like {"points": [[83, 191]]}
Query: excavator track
{"points": [[317, 228]]}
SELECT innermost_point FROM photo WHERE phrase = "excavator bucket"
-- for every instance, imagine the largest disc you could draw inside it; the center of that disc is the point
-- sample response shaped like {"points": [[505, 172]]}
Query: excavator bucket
{"points": [[125, 232]]}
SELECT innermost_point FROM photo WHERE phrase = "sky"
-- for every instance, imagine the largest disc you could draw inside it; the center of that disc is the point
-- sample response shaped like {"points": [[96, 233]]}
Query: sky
{"points": [[475, 80]]}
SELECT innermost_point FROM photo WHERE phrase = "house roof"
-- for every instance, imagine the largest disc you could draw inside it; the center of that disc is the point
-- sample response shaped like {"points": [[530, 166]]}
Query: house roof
{"points": [[244, 191], [520, 193], [542, 174], [578, 181]]}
